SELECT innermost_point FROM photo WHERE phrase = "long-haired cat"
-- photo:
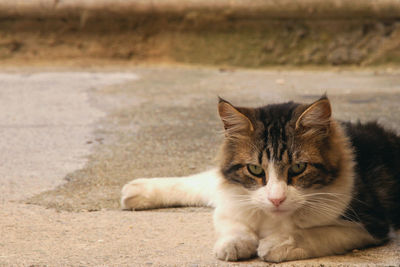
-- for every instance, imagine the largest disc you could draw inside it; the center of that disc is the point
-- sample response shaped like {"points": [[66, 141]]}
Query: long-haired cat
{"points": [[292, 183]]}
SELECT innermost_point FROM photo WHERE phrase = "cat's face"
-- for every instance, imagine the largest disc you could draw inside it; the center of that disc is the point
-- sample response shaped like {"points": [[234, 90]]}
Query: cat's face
{"points": [[283, 155]]}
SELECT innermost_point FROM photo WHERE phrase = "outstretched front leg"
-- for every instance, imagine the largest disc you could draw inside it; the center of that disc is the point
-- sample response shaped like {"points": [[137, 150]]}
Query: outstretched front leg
{"points": [[313, 242], [151, 193]]}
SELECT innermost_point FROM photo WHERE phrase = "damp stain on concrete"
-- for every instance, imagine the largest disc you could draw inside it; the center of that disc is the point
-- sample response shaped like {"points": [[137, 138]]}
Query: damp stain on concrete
{"points": [[166, 123]]}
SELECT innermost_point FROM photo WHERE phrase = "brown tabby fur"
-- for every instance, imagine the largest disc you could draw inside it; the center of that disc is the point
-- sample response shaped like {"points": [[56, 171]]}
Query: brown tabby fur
{"points": [[308, 143]]}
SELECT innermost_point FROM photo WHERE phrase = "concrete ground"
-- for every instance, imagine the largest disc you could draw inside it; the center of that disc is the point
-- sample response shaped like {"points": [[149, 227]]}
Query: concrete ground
{"points": [[71, 139]]}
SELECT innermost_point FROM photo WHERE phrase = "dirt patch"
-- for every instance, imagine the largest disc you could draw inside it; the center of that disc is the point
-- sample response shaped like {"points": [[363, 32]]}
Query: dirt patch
{"points": [[217, 39]]}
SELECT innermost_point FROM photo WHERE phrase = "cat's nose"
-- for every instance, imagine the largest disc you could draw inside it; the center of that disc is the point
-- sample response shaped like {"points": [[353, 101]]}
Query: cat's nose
{"points": [[277, 201]]}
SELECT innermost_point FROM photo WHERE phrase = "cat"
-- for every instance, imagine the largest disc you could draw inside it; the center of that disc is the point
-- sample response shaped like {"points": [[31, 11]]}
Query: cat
{"points": [[293, 183]]}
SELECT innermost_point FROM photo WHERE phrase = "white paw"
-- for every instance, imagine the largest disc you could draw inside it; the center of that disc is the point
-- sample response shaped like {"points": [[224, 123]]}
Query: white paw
{"points": [[279, 248], [138, 194], [235, 248]]}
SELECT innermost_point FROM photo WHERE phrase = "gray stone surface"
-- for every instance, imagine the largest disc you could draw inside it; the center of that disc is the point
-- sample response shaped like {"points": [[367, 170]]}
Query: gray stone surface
{"points": [[45, 121], [103, 127]]}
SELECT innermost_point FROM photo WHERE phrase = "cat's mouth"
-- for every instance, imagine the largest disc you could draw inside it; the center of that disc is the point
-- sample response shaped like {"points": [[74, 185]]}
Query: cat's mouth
{"points": [[280, 211]]}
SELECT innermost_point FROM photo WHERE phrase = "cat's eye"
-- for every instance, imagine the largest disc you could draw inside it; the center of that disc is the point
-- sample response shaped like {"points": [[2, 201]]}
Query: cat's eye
{"points": [[297, 168], [255, 170]]}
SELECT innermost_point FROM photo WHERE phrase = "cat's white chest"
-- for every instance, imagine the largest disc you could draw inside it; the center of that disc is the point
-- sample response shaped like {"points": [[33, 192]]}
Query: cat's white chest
{"points": [[275, 226]]}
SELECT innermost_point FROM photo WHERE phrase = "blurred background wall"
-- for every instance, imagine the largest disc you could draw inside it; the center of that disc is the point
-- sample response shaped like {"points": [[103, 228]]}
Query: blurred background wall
{"points": [[245, 33]]}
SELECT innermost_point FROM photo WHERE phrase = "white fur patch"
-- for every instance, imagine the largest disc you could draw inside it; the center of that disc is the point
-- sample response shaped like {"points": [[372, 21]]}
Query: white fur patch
{"points": [[305, 225]]}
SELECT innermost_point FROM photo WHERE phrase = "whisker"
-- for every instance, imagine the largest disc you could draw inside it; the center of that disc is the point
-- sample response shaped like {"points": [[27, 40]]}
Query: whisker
{"points": [[319, 206], [337, 195], [324, 210]]}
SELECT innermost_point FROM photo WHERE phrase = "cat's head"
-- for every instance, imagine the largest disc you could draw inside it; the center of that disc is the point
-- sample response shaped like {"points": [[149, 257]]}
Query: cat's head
{"points": [[285, 157]]}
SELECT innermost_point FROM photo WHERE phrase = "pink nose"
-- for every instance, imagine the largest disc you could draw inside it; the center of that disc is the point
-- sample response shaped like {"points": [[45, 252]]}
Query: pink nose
{"points": [[277, 201]]}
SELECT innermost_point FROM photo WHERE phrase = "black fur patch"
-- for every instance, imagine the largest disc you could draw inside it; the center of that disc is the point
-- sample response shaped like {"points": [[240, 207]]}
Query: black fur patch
{"points": [[376, 197]]}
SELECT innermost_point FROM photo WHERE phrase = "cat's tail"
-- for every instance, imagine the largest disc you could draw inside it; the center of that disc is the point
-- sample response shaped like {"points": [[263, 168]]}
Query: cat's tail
{"points": [[151, 193]]}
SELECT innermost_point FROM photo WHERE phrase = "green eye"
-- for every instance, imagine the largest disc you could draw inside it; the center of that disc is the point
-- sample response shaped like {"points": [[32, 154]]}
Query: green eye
{"points": [[255, 170], [297, 168]]}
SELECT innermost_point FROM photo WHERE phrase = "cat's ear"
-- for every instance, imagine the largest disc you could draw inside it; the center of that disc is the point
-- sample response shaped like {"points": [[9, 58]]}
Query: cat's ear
{"points": [[317, 116], [235, 122]]}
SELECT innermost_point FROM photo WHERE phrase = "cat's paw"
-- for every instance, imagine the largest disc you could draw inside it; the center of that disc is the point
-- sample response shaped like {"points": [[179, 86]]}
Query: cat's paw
{"points": [[138, 194], [279, 248], [235, 248]]}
